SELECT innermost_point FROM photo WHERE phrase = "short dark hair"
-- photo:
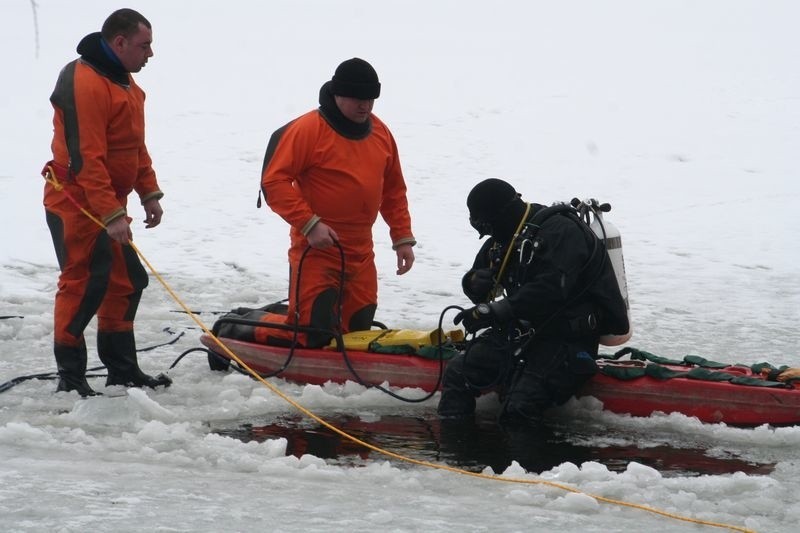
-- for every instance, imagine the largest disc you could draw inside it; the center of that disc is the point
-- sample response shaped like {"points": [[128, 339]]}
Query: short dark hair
{"points": [[123, 22]]}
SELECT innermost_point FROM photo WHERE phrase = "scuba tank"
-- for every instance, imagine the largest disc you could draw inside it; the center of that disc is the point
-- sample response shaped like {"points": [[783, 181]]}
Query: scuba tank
{"points": [[612, 238]]}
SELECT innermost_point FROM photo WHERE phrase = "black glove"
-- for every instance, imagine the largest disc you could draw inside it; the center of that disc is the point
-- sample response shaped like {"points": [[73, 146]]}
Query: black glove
{"points": [[484, 315], [478, 283]]}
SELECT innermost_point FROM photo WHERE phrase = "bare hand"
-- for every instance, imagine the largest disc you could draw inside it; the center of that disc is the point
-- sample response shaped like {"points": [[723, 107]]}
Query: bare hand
{"points": [[321, 236], [152, 213], [405, 258], [119, 229]]}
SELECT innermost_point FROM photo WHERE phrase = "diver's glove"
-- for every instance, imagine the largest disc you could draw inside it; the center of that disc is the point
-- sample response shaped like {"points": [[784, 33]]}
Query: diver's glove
{"points": [[485, 315], [478, 283]]}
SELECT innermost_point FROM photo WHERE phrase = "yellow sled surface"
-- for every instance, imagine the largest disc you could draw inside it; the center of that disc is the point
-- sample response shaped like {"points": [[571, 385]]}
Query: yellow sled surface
{"points": [[361, 340]]}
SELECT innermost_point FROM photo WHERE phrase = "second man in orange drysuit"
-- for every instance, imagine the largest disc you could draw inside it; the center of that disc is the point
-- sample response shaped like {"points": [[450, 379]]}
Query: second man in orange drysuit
{"points": [[329, 173], [99, 158]]}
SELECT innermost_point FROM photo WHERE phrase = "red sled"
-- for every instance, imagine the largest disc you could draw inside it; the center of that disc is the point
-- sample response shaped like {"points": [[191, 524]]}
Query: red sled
{"points": [[623, 386]]}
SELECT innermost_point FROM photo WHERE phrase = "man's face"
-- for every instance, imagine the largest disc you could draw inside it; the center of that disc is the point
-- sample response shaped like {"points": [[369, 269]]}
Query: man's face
{"points": [[134, 51], [354, 109]]}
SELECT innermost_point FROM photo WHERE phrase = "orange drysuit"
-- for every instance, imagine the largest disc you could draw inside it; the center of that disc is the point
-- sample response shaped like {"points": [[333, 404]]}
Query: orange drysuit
{"points": [[99, 156], [312, 172]]}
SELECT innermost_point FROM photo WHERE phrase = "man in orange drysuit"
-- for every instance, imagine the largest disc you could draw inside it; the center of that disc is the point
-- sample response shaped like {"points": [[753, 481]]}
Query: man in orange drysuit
{"points": [[99, 157], [329, 173]]}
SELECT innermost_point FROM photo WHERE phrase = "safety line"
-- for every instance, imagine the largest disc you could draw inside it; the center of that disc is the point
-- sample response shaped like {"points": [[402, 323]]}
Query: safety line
{"points": [[52, 179], [411, 460]]}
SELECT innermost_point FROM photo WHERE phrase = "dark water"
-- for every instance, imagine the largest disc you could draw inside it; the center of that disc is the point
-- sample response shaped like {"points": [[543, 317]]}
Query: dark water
{"points": [[475, 445]]}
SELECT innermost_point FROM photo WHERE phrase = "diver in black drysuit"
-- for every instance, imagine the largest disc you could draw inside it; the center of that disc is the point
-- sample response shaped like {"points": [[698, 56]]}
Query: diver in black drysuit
{"points": [[561, 295]]}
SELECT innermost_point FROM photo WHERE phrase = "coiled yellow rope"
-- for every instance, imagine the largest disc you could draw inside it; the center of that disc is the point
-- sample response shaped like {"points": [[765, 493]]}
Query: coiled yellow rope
{"points": [[50, 177]]}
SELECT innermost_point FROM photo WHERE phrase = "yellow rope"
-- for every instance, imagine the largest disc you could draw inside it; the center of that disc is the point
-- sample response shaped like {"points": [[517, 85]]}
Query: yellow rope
{"points": [[50, 177], [406, 459], [377, 449]]}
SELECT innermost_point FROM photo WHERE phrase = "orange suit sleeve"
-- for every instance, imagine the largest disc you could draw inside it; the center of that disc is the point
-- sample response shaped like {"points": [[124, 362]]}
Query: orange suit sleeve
{"points": [[146, 185], [394, 205], [289, 153]]}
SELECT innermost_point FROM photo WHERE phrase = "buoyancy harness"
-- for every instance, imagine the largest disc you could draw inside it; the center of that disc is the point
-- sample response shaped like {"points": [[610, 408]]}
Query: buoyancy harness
{"points": [[607, 316]]}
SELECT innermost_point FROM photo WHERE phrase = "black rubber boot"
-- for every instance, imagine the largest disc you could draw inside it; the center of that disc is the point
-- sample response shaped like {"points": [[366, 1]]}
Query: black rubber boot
{"points": [[527, 398], [458, 398], [117, 351], [456, 405], [71, 363]]}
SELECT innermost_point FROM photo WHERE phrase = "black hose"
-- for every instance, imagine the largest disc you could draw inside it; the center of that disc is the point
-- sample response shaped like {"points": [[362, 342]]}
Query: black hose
{"points": [[340, 341], [54, 374], [335, 333]]}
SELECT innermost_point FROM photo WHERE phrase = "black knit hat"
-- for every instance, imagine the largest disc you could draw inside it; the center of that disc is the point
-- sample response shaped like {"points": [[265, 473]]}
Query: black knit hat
{"points": [[487, 199], [357, 79], [494, 206]]}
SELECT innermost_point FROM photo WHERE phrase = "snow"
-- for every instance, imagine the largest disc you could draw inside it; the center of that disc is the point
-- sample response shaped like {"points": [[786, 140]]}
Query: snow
{"points": [[683, 115]]}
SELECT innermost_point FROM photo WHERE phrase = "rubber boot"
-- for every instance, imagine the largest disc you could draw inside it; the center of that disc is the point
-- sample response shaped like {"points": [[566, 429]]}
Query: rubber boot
{"points": [[117, 351], [458, 399], [526, 399], [71, 363]]}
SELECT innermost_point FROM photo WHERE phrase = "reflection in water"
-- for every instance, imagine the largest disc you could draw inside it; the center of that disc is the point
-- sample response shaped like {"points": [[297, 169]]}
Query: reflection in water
{"points": [[474, 445]]}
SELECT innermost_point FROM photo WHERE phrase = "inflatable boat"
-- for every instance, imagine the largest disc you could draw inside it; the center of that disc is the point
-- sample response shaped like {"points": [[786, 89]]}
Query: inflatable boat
{"points": [[630, 381]]}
